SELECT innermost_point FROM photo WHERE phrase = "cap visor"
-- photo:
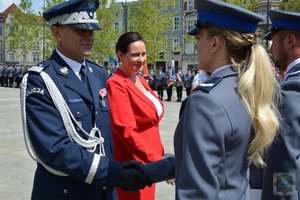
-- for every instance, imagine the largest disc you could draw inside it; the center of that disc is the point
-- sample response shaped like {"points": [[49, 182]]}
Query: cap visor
{"points": [[268, 35], [193, 31], [87, 26]]}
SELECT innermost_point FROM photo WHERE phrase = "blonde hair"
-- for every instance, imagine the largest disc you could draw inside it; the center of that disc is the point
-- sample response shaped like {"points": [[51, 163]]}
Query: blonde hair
{"points": [[257, 87]]}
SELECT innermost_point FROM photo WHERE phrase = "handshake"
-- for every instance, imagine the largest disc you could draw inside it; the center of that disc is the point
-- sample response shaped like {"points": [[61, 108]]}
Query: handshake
{"points": [[136, 176]]}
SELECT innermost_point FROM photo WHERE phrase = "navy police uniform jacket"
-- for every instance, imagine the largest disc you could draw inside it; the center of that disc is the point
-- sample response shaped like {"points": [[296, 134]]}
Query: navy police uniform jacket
{"points": [[52, 143], [282, 174], [211, 141]]}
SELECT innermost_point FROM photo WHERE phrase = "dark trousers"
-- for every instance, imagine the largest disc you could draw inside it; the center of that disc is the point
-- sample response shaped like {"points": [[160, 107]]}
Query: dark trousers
{"points": [[11, 81], [152, 87], [160, 91], [18, 81], [1, 81], [179, 93], [188, 91], [169, 92]]}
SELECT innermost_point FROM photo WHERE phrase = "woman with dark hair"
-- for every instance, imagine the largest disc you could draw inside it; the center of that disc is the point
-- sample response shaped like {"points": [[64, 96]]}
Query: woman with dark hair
{"points": [[135, 111]]}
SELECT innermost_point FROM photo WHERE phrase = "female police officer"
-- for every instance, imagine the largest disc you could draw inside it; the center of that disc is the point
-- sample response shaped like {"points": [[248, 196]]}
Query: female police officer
{"points": [[229, 120]]}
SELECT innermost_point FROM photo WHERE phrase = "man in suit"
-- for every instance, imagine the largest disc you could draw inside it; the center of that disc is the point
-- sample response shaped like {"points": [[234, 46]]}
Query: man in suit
{"points": [[281, 179], [66, 115]]}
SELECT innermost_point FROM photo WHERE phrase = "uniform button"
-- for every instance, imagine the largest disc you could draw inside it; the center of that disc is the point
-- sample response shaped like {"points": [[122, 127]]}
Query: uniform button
{"points": [[78, 113], [104, 188], [65, 191], [96, 113]]}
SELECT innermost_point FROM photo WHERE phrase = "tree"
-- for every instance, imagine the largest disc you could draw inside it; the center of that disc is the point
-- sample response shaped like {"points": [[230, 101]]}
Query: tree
{"points": [[105, 39], [248, 4], [24, 33], [25, 6], [290, 5], [151, 18]]}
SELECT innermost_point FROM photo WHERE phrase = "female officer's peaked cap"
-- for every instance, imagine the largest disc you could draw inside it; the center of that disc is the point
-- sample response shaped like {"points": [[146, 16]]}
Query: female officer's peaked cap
{"points": [[212, 13], [80, 14]]}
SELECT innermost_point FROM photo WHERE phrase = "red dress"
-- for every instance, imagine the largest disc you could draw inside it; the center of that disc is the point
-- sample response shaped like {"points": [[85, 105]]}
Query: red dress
{"points": [[135, 127]]}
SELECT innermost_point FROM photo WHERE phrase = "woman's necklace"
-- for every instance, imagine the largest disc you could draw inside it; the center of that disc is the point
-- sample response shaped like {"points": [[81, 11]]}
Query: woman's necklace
{"points": [[140, 86]]}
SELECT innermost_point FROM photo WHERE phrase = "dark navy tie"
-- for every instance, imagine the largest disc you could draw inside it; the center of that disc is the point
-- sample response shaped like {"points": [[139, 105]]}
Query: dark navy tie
{"points": [[83, 75]]}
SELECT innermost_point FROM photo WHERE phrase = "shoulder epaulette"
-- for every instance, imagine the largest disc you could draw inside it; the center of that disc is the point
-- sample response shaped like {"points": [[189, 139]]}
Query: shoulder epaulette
{"points": [[207, 86], [93, 63], [296, 73], [40, 67]]}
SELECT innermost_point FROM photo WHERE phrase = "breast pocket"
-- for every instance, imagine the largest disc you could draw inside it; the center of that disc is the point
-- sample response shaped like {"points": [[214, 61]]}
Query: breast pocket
{"points": [[78, 108]]}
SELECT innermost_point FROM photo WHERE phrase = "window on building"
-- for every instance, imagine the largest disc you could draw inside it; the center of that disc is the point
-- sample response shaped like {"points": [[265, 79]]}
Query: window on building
{"points": [[190, 24], [175, 44], [24, 57], [1, 57], [117, 26], [36, 57], [191, 5], [176, 23], [1, 31], [190, 48], [12, 56], [1, 44], [184, 6], [36, 46]]}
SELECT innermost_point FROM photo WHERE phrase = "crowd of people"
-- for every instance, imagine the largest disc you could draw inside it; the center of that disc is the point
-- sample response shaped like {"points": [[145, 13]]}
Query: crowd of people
{"points": [[98, 138], [11, 75]]}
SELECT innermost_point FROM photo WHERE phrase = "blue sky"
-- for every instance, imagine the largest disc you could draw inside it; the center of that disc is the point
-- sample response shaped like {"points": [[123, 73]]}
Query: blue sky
{"points": [[36, 4]]}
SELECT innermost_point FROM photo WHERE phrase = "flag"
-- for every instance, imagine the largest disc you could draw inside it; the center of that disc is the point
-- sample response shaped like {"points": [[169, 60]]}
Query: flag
{"points": [[145, 70], [172, 74]]}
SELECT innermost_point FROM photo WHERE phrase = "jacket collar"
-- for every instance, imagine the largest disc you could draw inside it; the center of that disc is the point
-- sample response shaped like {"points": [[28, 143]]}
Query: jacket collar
{"points": [[72, 81], [138, 93]]}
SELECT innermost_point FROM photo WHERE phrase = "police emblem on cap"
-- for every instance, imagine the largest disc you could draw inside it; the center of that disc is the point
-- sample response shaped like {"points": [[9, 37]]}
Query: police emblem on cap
{"points": [[76, 13]]}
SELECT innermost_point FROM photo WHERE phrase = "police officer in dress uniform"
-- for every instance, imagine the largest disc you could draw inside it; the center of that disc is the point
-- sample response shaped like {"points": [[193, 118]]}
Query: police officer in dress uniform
{"points": [[179, 84], [188, 79], [66, 115], [281, 179], [152, 79], [217, 133], [1, 75], [160, 82]]}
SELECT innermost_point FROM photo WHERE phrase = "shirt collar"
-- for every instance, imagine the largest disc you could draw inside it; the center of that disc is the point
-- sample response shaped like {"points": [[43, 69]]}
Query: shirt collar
{"points": [[220, 68], [292, 64], [74, 65]]}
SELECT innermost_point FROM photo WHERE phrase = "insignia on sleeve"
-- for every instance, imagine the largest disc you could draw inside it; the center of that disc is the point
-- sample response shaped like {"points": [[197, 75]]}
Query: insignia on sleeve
{"points": [[38, 91]]}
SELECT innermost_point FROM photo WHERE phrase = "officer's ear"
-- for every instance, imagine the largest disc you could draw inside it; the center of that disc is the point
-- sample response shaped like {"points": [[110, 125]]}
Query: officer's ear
{"points": [[291, 40], [56, 32]]}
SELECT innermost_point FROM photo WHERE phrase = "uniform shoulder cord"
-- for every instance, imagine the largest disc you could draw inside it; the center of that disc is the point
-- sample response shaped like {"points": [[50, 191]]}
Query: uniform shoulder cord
{"points": [[68, 119]]}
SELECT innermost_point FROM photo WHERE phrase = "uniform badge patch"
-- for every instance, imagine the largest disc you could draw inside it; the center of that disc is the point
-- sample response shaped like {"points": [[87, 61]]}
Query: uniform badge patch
{"points": [[39, 91], [64, 70], [284, 184]]}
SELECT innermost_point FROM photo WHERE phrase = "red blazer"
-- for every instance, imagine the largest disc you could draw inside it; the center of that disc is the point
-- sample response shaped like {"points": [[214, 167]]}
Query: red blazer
{"points": [[134, 120]]}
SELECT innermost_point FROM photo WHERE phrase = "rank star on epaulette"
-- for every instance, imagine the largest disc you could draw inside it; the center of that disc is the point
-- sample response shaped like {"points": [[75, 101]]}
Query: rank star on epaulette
{"points": [[64, 70]]}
